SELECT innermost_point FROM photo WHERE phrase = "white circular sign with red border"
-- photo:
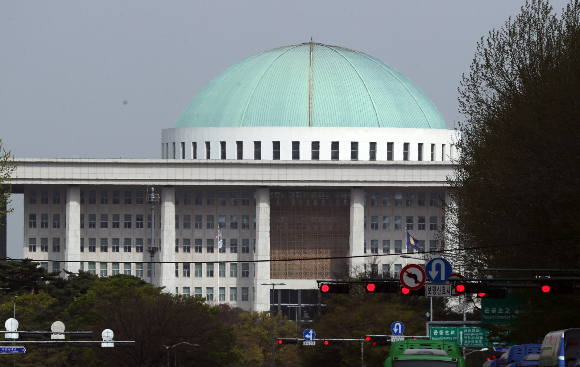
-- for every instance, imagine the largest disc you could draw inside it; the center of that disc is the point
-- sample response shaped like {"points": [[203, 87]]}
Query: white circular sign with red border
{"points": [[412, 276], [452, 277]]}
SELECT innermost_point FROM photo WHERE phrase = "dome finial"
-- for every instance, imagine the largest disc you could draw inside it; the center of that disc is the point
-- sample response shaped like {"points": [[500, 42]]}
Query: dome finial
{"points": [[311, 40]]}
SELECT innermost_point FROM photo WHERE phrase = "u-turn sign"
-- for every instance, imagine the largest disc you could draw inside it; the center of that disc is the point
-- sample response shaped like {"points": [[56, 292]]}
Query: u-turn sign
{"points": [[438, 270]]}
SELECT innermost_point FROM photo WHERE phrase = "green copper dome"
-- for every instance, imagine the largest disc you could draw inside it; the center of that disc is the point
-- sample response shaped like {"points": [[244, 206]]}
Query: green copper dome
{"points": [[311, 84]]}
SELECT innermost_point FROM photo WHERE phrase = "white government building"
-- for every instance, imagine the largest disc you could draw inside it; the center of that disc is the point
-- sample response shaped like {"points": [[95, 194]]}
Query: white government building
{"points": [[304, 152]]}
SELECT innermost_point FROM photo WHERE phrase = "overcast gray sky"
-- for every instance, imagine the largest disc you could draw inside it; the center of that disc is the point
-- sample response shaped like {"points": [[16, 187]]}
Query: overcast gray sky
{"points": [[67, 67]]}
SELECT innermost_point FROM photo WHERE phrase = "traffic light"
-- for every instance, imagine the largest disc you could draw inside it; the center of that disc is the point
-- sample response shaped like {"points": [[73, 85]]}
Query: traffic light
{"points": [[338, 288], [378, 340], [497, 293], [557, 288], [382, 287], [331, 342], [466, 287], [415, 292], [284, 341]]}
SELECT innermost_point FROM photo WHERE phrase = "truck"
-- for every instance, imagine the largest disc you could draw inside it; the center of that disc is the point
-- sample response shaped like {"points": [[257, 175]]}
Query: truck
{"points": [[425, 353]]}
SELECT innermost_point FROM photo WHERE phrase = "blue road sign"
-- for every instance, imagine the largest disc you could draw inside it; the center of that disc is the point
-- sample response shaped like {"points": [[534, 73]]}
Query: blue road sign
{"points": [[397, 328], [12, 350], [309, 334], [438, 270]]}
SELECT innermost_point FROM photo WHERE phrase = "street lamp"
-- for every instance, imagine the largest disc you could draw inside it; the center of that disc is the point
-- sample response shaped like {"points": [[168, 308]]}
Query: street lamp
{"points": [[273, 320]]}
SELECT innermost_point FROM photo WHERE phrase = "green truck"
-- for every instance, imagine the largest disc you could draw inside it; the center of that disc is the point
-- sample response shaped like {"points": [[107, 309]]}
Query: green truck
{"points": [[425, 353]]}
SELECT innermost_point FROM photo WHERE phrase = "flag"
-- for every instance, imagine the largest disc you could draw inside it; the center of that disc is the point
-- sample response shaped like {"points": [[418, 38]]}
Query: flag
{"points": [[219, 238], [411, 242]]}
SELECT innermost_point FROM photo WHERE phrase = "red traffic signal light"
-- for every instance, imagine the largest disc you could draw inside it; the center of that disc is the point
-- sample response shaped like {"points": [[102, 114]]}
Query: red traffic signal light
{"points": [[460, 288], [338, 288], [284, 341], [416, 292], [497, 293], [377, 340], [382, 287], [546, 288], [370, 287], [557, 288]]}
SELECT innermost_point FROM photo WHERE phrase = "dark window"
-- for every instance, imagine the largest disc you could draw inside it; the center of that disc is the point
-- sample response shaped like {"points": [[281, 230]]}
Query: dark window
{"points": [[194, 150], [276, 150], [257, 150], [139, 197], [56, 196], [116, 197], [207, 150], [210, 198], [44, 196], [354, 151], [405, 151], [315, 150], [432, 152], [389, 151], [92, 197], [373, 151], [420, 152], [240, 149], [104, 197], [222, 149], [32, 197], [334, 151], [295, 150], [128, 197]]}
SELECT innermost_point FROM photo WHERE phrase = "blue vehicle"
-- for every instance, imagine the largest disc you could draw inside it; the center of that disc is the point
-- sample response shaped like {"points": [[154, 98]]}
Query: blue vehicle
{"points": [[560, 348], [529, 360], [516, 353]]}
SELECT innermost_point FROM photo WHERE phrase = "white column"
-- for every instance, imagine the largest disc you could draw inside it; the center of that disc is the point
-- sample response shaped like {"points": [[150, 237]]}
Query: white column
{"points": [[262, 250], [73, 229], [166, 271], [357, 234]]}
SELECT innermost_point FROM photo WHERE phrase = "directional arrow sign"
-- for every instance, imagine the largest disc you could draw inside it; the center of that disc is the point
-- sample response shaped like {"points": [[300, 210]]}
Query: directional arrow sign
{"points": [[397, 328], [309, 334], [12, 350], [438, 270]]}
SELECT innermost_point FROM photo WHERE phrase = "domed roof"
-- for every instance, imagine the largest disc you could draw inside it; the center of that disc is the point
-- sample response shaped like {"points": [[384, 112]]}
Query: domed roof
{"points": [[311, 84]]}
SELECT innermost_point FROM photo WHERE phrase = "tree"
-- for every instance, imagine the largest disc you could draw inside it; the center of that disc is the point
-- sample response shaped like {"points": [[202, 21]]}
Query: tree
{"points": [[23, 276], [516, 186], [7, 166]]}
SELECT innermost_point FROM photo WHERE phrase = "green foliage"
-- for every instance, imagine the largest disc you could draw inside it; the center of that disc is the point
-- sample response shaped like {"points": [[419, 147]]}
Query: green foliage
{"points": [[23, 276], [7, 166], [517, 180]]}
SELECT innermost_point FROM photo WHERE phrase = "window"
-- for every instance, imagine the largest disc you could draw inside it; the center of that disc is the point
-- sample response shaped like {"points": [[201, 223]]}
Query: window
{"points": [[432, 199], [405, 151], [234, 246], [126, 245], [198, 246], [374, 270], [197, 292], [373, 151], [276, 150], [103, 272], [186, 292], [186, 221], [139, 197], [44, 245], [56, 221], [315, 150], [139, 270], [254, 221], [386, 246], [386, 270], [198, 198], [421, 199], [234, 270], [115, 245], [56, 196], [374, 246], [92, 221], [245, 270], [410, 199], [257, 150], [198, 270], [104, 245], [245, 247], [198, 222], [420, 152], [398, 199], [176, 245], [374, 199], [365, 222], [194, 150], [186, 245], [207, 150], [177, 270], [115, 221], [442, 152], [432, 223], [390, 151], [222, 198], [234, 198], [354, 150], [138, 245], [210, 198], [409, 223], [239, 150], [32, 245], [176, 201], [92, 267], [222, 150], [365, 248], [116, 197], [31, 220], [128, 197], [245, 222], [421, 223], [210, 222], [295, 150], [127, 268], [174, 153], [126, 223], [177, 221], [398, 246], [432, 152], [104, 220], [386, 223], [92, 245], [209, 293], [233, 221], [442, 222], [421, 245], [222, 270], [114, 268], [44, 196], [233, 294], [186, 270], [334, 151], [82, 221], [32, 197], [245, 198], [209, 270], [374, 223], [432, 245], [245, 294], [398, 223], [209, 246], [187, 198]]}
